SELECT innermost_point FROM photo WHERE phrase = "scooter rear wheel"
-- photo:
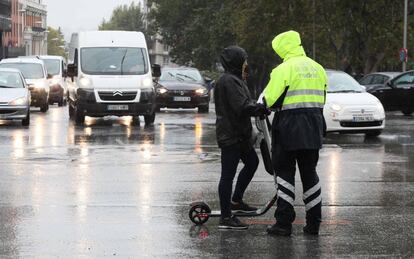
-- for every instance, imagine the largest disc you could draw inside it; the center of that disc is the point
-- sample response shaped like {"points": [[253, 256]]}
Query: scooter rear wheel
{"points": [[199, 213]]}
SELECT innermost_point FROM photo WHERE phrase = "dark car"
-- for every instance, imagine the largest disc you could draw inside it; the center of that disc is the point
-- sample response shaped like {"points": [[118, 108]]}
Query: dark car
{"points": [[394, 90], [182, 88]]}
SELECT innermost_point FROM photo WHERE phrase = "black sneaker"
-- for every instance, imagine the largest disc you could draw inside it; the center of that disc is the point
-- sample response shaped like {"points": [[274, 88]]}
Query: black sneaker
{"points": [[279, 230], [311, 229], [242, 207], [232, 223]]}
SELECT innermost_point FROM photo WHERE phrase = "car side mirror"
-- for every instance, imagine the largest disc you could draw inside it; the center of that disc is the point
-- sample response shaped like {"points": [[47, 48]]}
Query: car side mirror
{"points": [[72, 70], [156, 70], [390, 84], [49, 76]]}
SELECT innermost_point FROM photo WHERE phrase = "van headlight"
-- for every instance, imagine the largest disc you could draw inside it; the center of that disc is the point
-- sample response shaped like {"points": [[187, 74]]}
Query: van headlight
{"points": [[19, 101], [147, 82], [85, 82], [336, 107], [54, 81]]}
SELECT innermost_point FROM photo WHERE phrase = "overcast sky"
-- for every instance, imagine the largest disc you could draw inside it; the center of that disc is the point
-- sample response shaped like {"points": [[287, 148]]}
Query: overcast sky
{"points": [[80, 15]]}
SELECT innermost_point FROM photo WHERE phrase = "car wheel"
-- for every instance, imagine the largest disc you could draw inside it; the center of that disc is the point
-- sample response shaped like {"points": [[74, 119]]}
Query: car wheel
{"points": [[204, 109], [407, 112], [373, 133], [79, 117], [26, 121], [61, 102], [149, 119], [136, 121], [45, 107]]}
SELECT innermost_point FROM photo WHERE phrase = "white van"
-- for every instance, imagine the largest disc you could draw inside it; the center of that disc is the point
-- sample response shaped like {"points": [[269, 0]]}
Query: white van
{"points": [[110, 74]]}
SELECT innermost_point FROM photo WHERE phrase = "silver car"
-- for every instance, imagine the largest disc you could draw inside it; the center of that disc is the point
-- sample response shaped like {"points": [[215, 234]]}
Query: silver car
{"points": [[14, 96]]}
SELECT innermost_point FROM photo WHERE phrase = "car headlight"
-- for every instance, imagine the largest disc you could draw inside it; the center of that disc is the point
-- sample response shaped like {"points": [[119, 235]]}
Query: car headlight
{"points": [[85, 82], [147, 82], [162, 90], [201, 91], [336, 107], [19, 101]]}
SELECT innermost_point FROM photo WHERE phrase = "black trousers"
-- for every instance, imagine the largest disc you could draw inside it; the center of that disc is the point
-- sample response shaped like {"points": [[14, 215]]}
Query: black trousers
{"points": [[230, 157], [285, 166]]}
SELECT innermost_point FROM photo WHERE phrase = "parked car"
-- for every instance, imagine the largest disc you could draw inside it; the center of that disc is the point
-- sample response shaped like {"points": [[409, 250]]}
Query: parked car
{"points": [[14, 96], [35, 74], [182, 87], [375, 80], [56, 69], [110, 74], [349, 108], [396, 93]]}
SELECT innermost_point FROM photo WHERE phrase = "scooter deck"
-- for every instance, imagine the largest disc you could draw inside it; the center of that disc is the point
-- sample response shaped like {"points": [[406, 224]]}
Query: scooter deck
{"points": [[258, 212]]}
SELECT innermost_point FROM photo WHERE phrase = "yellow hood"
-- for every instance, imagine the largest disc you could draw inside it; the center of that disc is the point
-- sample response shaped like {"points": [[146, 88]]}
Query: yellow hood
{"points": [[288, 44]]}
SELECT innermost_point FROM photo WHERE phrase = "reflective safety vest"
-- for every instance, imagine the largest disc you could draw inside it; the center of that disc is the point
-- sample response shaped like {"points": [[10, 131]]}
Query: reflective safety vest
{"points": [[299, 82]]}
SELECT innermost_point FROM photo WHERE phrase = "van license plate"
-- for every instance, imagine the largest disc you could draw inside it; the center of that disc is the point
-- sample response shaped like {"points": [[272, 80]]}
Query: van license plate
{"points": [[118, 108], [182, 99]]}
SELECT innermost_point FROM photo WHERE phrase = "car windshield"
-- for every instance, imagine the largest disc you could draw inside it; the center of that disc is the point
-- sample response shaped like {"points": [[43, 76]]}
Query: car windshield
{"points": [[187, 75], [114, 61], [29, 70], [339, 82], [10, 80], [52, 66]]}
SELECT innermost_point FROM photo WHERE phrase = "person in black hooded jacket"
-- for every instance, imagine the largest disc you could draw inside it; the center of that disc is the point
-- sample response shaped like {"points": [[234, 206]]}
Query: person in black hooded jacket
{"points": [[234, 109]]}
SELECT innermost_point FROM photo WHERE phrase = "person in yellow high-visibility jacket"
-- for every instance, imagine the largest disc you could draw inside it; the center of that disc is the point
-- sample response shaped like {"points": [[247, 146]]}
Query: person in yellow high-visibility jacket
{"points": [[297, 89]]}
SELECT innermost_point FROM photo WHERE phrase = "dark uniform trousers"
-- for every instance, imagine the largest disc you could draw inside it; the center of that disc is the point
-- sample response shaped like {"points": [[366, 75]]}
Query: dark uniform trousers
{"points": [[285, 166]]}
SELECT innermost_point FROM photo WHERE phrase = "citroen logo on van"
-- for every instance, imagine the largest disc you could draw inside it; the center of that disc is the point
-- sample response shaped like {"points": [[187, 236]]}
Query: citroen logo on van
{"points": [[182, 92], [118, 93]]}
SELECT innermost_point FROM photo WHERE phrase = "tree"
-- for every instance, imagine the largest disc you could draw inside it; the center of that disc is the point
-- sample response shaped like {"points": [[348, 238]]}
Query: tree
{"points": [[127, 18], [55, 42], [355, 36]]}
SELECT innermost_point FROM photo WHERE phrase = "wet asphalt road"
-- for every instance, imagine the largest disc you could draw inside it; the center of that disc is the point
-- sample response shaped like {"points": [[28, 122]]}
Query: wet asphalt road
{"points": [[116, 190]]}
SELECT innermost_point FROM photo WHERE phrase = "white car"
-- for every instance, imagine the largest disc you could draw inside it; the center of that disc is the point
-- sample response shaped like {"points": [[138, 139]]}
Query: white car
{"points": [[35, 74], [349, 108], [14, 96]]}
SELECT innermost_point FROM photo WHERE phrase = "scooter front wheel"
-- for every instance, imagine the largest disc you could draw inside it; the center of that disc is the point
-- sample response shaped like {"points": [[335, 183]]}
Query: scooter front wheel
{"points": [[199, 213]]}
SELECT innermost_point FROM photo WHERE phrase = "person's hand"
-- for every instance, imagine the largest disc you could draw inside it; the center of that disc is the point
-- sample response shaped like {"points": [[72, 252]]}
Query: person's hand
{"points": [[262, 110]]}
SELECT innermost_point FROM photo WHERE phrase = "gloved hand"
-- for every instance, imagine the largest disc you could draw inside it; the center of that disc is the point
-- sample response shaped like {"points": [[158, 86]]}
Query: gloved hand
{"points": [[262, 110]]}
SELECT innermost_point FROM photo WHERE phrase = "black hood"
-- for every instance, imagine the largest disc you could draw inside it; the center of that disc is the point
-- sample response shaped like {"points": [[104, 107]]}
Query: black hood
{"points": [[232, 59]]}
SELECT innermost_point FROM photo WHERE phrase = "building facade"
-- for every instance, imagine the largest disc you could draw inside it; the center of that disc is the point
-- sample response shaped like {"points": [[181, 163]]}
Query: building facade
{"points": [[28, 35], [158, 51], [5, 24]]}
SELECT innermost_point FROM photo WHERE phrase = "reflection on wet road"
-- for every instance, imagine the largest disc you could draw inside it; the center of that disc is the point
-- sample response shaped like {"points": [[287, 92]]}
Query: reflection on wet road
{"points": [[112, 188]]}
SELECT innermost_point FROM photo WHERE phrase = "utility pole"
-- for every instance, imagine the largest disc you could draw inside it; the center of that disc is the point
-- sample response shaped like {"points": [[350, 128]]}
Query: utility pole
{"points": [[405, 32], [314, 31]]}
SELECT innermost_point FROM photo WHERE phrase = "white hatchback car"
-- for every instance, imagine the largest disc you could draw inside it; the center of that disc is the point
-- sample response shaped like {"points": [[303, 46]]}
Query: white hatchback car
{"points": [[349, 108], [14, 96]]}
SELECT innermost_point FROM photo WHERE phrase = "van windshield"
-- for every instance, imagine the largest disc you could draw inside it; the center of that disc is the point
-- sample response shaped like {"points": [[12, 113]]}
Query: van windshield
{"points": [[52, 66], [114, 61], [29, 70]]}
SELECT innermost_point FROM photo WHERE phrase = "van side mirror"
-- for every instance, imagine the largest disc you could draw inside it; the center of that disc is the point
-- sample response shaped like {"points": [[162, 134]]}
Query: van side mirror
{"points": [[156, 70], [49, 76], [64, 73], [72, 70]]}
